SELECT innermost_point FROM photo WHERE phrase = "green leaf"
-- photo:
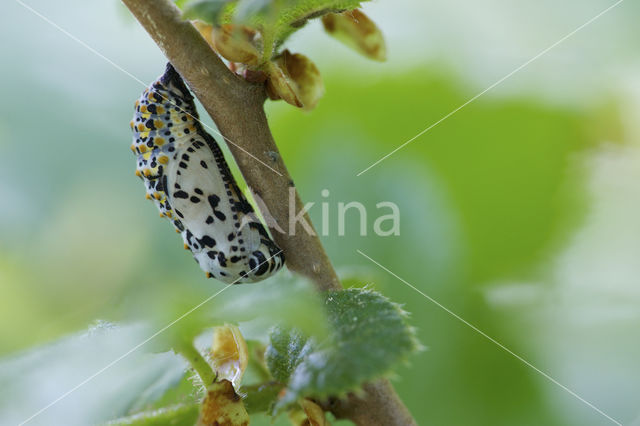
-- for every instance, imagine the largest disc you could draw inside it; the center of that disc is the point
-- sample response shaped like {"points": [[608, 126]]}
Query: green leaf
{"points": [[295, 14], [260, 398], [207, 10], [179, 415], [185, 392], [289, 301], [286, 350], [115, 389], [246, 9], [369, 337], [275, 19], [157, 389]]}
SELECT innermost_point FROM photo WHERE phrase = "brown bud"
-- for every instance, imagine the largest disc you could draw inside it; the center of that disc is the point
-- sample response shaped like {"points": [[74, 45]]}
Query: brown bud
{"points": [[222, 406], [254, 76], [311, 414], [280, 86], [356, 30], [205, 30], [236, 43], [296, 79], [229, 354]]}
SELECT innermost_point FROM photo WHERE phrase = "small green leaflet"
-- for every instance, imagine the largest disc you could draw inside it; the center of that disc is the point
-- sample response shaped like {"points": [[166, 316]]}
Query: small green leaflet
{"points": [[369, 337]]}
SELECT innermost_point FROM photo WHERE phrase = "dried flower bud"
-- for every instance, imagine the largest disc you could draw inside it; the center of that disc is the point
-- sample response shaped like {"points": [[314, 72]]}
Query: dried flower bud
{"points": [[296, 79], [236, 43], [280, 86], [205, 30], [229, 354], [254, 76], [310, 415], [222, 406], [357, 31]]}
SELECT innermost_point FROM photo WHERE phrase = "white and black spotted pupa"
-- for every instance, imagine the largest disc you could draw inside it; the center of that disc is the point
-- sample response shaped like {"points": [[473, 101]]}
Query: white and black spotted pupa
{"points": [[187, 177]]}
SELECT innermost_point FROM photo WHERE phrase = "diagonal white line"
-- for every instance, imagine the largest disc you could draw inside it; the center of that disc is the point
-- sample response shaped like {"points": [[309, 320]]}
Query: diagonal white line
{"points": [[118, 67], [493, 85], [77, 40], [120, 358], [494, 341], [130, 351]]}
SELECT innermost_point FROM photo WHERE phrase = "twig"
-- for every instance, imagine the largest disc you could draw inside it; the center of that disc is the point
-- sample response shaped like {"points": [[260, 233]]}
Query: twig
{"points": [[236, 107]]}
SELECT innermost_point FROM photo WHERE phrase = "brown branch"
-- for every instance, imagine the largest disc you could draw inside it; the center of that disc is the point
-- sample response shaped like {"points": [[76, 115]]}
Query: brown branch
{"points": [[237, 108]]}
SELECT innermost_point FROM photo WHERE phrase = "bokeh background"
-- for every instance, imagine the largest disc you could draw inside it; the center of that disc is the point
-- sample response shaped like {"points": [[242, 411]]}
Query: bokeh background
{"points": [[519, 213]]}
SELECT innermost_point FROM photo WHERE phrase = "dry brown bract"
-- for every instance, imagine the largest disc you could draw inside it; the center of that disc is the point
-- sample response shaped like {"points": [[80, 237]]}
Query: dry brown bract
{"points": [[222, 407]]}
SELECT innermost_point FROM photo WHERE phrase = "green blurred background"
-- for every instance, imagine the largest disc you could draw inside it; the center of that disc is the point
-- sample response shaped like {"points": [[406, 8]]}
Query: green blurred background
{"points": [[519, 213]]}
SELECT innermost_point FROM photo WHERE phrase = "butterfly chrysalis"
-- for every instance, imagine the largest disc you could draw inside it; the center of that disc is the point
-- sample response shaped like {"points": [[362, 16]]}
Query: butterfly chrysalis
{"points": [[187, 177]]}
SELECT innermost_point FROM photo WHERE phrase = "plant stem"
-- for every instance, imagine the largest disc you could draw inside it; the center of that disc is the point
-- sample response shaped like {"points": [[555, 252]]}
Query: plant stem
{"points": [[197, 362], [237, 108]]}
